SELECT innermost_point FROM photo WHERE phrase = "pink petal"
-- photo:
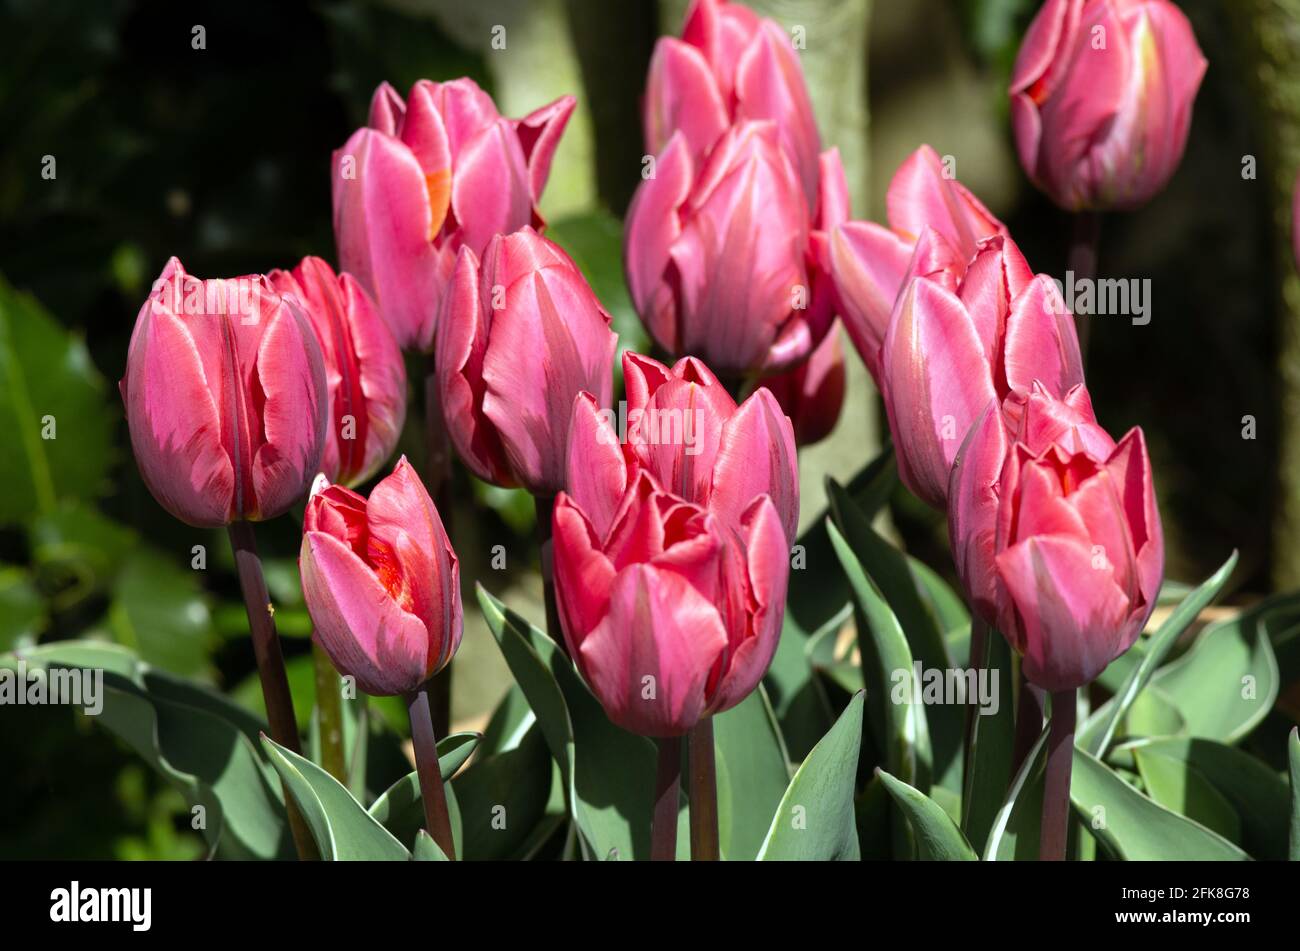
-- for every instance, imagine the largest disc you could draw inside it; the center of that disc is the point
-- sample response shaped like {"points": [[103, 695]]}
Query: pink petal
{"points": [[1041, 342], [682, 97], [584, 577], [539, 135], [757, 456], [490, 191], [596, 470], [867, 262]]}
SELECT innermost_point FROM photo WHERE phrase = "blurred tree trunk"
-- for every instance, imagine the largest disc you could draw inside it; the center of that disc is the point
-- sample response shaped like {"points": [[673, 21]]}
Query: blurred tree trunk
{"points": [[1269, 31]]}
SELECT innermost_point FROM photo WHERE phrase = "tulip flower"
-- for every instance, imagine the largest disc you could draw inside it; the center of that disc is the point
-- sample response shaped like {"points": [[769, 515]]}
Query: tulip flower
{"points": [[382, 583], [730, 66], [225, 397], [684, 429], [520, 336], [1101, 99], [950, 350], [870, 262], [671, 615], [725, 257], [812, 394], [364, 371], [429, 175]]}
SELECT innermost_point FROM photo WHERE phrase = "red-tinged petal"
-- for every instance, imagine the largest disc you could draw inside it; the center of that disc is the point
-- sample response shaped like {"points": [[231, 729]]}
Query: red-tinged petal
{"points": [[466, 111], [462, 343], [1041, 51], [596, 469], [682, 96], [767, 557], [922, 194], [1130, 466], [539, 135], [1027, 127], [936, 382], [1043, 419], [649, 659], [364, 631], [757, 456], [584, 576], [381, 225], [1042, 509], [643, 375], [868, 263], [973, 497], [1041, 342], [653, 227], [832, 192], [423, 131], [997, 273], [383, 377], [175, 422], [490, 192], [812, 394], [1073, 617], [387, 110]]}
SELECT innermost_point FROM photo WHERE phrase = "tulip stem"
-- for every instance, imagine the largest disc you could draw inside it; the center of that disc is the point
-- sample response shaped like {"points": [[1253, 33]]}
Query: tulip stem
{"points": [[547, 549], [270, 666], [704, 793], [1084, 247], [329, 715], [436, 818], [438, 481], [1056, 787], [668, 784]]}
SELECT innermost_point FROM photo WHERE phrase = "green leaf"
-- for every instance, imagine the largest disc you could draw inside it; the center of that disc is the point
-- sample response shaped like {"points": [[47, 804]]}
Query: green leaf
{"points": [[1133, 827], [1293, 757], [944, 603], [992, 744], [1181, 789], [608, 772], [749, 748], [197, 739], [47, 380], [426, 850], [342, 828], [505, 798], [1097, 734], [400, 808], [900, 727], [79, 550], [160, 611], [936, 835], [1016, 827], [815, 819], [22, 609]]}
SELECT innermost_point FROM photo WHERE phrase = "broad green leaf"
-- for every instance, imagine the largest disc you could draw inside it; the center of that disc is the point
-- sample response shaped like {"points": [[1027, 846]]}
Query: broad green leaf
{"points": [[815, 818], [1132, 826], [895, 712], [160, 611], [195, 738], [78, 551], [608, 772], [1180, 788], [749, 748], [340, 825], [1255, 791], [1293, 756], [55, 408], [992, 742], [22, 609], [1016, 827], [944, 603], [936, 835], [1098, 732], [798, 698], [504, 799], [400, 808], [426, 850]]}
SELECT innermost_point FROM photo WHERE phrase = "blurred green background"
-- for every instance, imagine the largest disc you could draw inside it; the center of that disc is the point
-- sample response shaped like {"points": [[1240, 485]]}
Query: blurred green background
{"points": [[220, 155]]}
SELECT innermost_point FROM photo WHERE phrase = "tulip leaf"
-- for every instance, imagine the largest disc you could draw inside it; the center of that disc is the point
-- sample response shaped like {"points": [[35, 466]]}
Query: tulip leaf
{"points": [[608, 772], [1097, 734], [400, 808], [815, 819], [1293, 757], [160, 611], [23, 614], [505, 797], [195, 738], [798, 698], [936, 835], [992, 741], [750, 749], [427, 850], [1133, 827], [56, 409], [945, 604], [1182, 789], [340, 825], [1015, 830], [896, 715]]}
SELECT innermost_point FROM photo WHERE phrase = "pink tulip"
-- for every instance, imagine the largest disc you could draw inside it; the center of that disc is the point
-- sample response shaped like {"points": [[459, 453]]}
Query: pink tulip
{"points": [[225, 398], [1077, 552], [684, 429], [951, 348], [870, 262], [441, 171], [726, 260], [382, 583], [812, 394], [520, 336], [671, 615], [730, 66], [1101, 99], [363, 369]]}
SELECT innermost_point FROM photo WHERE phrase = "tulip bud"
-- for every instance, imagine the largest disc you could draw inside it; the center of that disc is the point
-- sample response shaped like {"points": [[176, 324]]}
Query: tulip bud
{"points": [[671, 616], [812, 394], [225, 398], [382, 583], [520, 336], [729, 67], [726, 259], [440, 171], [1077, 558], [364, 371], [1101, 99], [870, 263], [685, 430]]}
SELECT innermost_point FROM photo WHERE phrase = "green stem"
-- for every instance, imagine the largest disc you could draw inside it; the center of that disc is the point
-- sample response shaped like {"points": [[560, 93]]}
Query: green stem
{"points": [[668, 784], [329, 715], [1056, 785], [436, 817], [704, 793]]}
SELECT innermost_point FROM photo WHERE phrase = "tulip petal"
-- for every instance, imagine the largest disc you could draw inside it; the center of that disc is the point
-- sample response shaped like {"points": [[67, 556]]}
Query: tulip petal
{"points": [[757, 456], [682, 96], [1130, 466], [972, 509], [596, 469], [490, 191], [539, 136], [1041, 342], [584, 576], [868, 263]]}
